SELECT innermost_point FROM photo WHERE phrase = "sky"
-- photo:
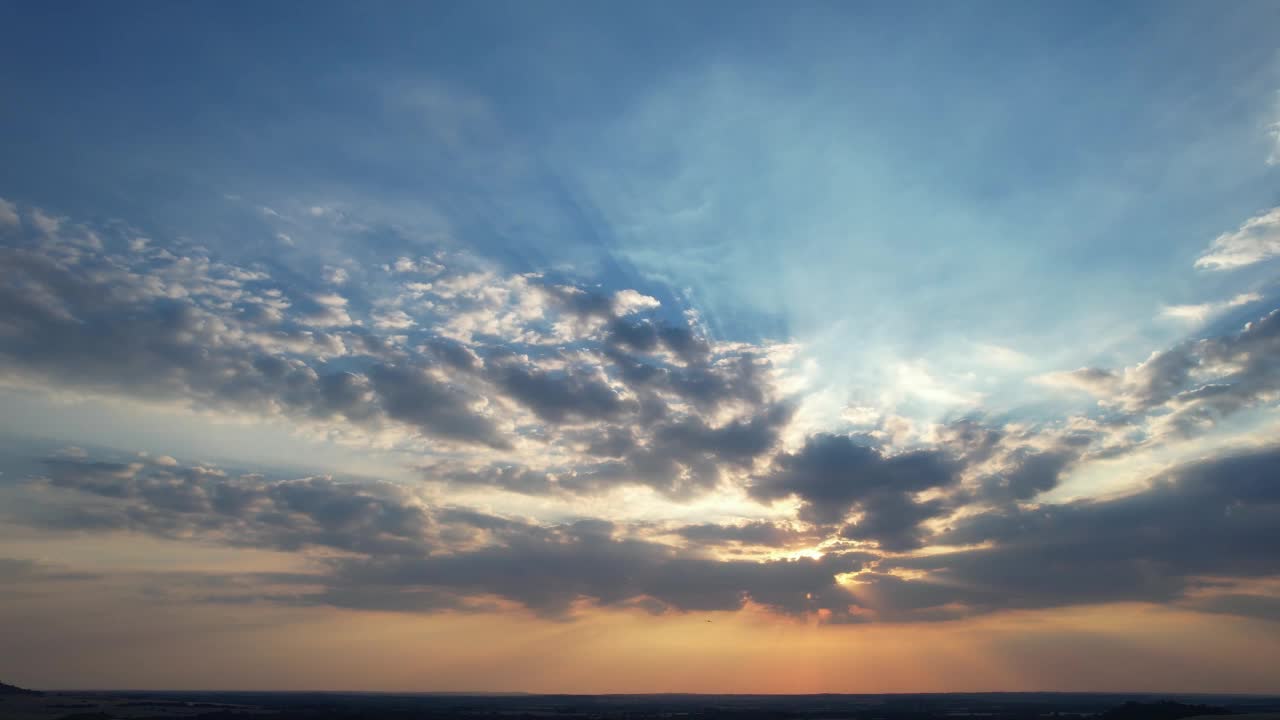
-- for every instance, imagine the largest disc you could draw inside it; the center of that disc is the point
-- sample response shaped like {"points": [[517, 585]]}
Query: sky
{"points": [[640, 347]]}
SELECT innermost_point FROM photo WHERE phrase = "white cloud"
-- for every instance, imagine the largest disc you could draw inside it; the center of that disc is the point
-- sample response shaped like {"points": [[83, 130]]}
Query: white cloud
{"points": [[1257, 239], [1094, 381], [421, 265], [630, 301], [861, 415], [1197, 314], [331, 313], [331, 300], [394, 320]]}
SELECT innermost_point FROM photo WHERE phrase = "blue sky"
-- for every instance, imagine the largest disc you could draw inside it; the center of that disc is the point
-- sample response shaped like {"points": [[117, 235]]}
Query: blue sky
{"points": [[657, 265], [900, 182]]}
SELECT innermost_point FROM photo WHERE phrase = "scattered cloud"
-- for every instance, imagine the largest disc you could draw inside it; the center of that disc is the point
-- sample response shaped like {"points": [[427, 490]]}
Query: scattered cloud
{"points": [[1256, 240], [629, 301], [9, 214], [1199, 314]]}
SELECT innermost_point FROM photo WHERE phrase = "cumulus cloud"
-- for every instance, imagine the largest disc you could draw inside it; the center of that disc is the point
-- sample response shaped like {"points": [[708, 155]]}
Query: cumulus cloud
{"points": [[630, 301], [329, 310], [472, 357], [393, 320], [834, 475], [1256, 240]]}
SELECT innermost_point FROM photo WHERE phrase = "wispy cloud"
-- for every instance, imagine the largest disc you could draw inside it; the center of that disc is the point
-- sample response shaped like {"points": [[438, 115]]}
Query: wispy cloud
{"points": [[1199, 314], [1258, 239]]}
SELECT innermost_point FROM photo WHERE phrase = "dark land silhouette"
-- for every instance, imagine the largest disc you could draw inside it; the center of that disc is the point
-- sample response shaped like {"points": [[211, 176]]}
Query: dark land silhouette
{"points": [[19, 704]]}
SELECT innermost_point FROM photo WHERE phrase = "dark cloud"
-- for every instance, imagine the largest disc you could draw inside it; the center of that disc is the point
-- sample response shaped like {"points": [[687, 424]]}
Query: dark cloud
{"points": [[158, 498], [1218, 517], [679, 458], [452, 353], [1262, 607], [14, 571], [401, 555], [413, 396], [559, 396], [1192, 538], [548, 570], [583, 303], [834, 475], [893, 520], [647, 336], [612, 441], [508, 477], [1026, 471], [759, 533]]}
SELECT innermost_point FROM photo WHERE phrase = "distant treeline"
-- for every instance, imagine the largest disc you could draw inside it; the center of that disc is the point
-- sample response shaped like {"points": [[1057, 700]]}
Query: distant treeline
{"points": [[1163, 710]]}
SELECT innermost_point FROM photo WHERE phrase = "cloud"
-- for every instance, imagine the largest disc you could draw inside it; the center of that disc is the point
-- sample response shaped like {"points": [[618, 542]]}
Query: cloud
{"points": [[1013, 464], [194, 501], [1214, 518], [44, 222], [679, 458], [1263, 607], [393, 320], [1198, 314], [834, 475], [1188, 388], [472, 356], [9, 214], [22, 571], [758, 533], [336, 275], [84, 322], [548, 570], [399, 553], [1256, 240], [328, 310], [630, 301], [559, 396]]}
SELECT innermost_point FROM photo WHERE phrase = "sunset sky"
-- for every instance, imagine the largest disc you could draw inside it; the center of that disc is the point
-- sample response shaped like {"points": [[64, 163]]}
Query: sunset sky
{"points": [[640, 346]]}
